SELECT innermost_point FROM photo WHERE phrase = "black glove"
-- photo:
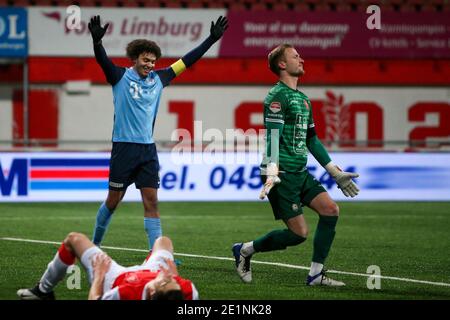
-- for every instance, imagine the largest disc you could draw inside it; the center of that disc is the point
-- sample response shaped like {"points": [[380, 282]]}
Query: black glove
{"points": [[97, 32], [218, 28]]}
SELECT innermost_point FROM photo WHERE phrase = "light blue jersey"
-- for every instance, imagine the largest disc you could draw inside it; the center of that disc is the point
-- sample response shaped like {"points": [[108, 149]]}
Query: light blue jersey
{"points": [[136, 103]]}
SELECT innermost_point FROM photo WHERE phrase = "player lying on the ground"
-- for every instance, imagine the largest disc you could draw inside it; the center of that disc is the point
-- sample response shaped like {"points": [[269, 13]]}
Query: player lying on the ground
{"points": [[156, 279]]}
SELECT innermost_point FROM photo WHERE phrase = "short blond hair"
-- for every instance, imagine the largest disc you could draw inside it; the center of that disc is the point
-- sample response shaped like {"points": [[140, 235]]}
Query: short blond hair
{"points": [[275, 56]]}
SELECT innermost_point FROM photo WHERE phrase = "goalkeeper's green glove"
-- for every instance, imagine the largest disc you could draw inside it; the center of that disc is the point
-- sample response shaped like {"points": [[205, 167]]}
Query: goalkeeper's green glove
{"points": [[271, 181], [97, 31], [343, 179]]}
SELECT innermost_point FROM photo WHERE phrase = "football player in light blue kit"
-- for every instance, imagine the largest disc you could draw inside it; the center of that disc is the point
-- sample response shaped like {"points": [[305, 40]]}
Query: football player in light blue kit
{"points": [[136, 95]]}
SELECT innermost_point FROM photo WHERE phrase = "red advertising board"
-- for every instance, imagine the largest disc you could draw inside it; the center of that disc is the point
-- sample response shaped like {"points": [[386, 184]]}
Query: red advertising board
{"points": [[338, 34]]}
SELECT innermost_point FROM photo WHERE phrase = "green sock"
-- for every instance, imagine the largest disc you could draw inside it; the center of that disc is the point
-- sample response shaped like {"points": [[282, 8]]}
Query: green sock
{"points": [[323, 238], [277, 240]]}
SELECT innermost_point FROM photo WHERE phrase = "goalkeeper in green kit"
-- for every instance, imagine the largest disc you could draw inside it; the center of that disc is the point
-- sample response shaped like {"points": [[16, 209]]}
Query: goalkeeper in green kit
{"points": [[287, 183]]}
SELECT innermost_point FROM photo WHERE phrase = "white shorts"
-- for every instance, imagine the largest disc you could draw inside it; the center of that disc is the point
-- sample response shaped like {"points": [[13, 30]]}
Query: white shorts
{"points": [[153, 264]]}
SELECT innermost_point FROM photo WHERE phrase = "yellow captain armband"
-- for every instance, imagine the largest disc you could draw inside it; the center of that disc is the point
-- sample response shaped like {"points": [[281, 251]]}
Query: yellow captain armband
{"points": [[178, 67]]}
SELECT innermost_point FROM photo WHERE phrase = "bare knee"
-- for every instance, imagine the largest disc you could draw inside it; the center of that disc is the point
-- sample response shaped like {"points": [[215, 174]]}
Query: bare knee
{"points": [[113, 199], [298, 226], [72, 239], [330, 209], [112, 203], [163, 243], [302, 232], [151, 206]]}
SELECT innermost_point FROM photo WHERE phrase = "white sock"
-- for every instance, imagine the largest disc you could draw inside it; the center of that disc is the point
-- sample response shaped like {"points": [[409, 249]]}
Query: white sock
{"points": [[56, 271], [247, 249], [315, 268]]}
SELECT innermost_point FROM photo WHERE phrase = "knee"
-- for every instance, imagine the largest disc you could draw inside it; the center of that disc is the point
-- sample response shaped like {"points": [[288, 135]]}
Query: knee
{"points": [[163, 243], [331, 209], [151, 205], [113, 199], [298, 237], [72, 238], [112, 203], [302, 232], [151, 210], [153, 200]]}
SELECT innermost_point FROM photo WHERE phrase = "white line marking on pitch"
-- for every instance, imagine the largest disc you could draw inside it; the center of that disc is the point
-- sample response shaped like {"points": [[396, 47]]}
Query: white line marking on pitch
{"points": [[253, 261]]}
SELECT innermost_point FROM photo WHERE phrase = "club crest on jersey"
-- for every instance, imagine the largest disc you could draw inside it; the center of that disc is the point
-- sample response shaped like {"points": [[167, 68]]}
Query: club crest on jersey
{"points": [[275, 107], [131, 278], [306, 104]]}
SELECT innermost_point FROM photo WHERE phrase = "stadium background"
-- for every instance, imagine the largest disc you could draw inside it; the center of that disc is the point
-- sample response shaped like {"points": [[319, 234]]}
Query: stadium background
{"points": [[380, 102]]}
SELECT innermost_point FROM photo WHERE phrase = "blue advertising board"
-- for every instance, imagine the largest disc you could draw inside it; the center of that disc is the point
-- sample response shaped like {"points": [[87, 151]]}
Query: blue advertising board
{"points": [[13, 33]]}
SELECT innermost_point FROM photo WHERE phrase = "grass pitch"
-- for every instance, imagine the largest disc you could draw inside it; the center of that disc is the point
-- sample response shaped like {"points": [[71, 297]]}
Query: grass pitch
{"points": [[409, 242]]}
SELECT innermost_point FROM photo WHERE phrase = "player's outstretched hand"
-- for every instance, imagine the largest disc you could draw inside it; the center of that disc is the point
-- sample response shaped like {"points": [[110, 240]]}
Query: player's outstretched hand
{"points": [[217, 29], [271, 181], [346, 184], [97, 31], [343, 179]]}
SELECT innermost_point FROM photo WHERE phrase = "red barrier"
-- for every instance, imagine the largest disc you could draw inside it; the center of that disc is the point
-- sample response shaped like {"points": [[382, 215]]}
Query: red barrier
{"points": [[255, 71], [43, 115]]}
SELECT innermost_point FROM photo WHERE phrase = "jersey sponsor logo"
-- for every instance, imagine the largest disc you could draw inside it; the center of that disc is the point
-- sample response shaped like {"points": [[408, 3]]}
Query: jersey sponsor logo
{"points": [[275, 116], [132, 278], [275, 120], [275, 107]]}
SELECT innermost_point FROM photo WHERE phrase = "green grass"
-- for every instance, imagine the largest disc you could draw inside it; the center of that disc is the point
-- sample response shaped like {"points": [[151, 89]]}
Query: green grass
{"points": [[406, 240]]}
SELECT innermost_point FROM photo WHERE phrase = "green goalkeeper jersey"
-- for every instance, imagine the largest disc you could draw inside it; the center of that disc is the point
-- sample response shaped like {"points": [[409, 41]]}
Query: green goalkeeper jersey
{"points": [[290, 112]]}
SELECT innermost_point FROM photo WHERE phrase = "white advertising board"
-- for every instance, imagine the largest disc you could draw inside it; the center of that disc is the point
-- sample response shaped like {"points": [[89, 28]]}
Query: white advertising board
{"points": [[57, 177], [176, 31]]}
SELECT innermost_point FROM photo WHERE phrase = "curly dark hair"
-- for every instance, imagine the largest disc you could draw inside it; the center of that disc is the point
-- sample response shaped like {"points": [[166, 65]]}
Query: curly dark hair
{"points": [[168, 295], [138, 46], [275, 56]]}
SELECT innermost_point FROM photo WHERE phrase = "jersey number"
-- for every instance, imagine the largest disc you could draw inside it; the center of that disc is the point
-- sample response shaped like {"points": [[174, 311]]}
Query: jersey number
{"points": [[135, 90]]}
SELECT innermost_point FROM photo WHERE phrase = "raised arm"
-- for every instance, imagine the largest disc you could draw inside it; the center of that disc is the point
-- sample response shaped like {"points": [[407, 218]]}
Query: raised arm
{"points": [[216, 32], [113, 73]]}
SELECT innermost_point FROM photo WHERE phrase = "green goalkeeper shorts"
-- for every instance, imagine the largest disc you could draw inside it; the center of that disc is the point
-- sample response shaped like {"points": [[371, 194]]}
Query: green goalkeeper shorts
{"points": [[294, 191]]}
